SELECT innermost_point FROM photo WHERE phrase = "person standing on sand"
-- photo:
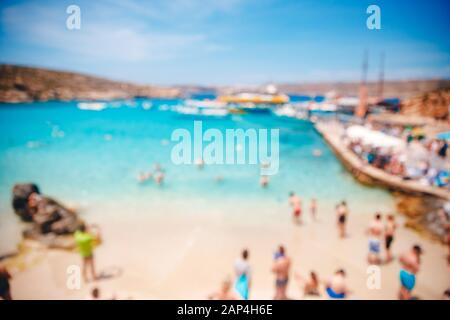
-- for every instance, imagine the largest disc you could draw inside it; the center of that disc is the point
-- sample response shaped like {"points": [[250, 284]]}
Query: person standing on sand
{"points": [[243, 275], [410, 262], [375, 232], [296, 203], [313, 208], [280, 268], [5, 288], [336, 287], [85, 241], [389, 232], [342, 212]]}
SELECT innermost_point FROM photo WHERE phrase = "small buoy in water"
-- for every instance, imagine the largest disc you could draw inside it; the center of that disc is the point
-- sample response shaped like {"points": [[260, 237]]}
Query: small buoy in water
{"points": [[317, 152]]}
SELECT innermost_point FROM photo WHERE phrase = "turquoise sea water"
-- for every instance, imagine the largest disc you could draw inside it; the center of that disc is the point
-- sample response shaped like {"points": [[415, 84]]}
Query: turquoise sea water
{"points": [[95, 156]]}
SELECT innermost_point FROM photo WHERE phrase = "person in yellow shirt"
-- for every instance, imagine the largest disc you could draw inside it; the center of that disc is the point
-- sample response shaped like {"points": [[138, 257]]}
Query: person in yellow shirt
{"points": [[86, 241]]}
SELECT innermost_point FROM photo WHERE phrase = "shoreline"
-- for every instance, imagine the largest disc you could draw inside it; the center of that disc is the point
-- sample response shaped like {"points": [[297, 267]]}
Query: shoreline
{"points": [[370, 175], [413, 200], [159, 253]]}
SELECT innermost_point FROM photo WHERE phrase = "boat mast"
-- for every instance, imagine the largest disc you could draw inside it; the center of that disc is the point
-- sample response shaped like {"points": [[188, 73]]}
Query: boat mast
{"points": [[381, 79], [361, 110]]}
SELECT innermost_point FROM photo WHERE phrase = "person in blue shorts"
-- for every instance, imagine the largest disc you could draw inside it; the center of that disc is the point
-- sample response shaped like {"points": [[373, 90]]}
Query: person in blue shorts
{"points": [[410, 262]]}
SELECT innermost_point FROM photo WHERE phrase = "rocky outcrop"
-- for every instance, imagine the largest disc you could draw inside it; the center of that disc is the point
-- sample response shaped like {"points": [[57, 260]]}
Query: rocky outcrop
{"points": [[24, 84], [48, 220], [21, 193], [422, 214], [434, 104]]}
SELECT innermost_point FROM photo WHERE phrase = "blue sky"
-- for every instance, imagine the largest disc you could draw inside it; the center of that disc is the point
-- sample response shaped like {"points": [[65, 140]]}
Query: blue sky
{"points": [[228, 41]]}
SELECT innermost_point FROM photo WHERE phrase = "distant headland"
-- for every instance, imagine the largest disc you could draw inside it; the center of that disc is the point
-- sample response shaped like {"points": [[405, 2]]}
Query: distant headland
{"points": [[26, 84]]}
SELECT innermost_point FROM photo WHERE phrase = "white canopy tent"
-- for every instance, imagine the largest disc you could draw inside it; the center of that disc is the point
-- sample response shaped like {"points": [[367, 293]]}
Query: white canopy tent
{"points": [[374, 138]]}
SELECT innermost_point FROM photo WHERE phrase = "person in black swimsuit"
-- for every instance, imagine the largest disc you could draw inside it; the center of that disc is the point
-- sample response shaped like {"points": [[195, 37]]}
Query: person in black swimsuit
{"points": [[389, 232], [341, 211]]}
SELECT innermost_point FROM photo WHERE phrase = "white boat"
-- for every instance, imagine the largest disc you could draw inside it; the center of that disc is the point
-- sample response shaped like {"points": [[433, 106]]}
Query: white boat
{"points": [[147, 105], [213, 112], [93, 106], [203, 108], [186, 110], [323, 106], [164, 107], [205, 103], [286, 110]]}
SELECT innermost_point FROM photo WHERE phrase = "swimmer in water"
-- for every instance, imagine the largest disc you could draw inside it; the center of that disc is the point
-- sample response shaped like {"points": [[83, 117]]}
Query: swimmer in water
{"points": [[264, 181], [199, 163], [159, 177]]}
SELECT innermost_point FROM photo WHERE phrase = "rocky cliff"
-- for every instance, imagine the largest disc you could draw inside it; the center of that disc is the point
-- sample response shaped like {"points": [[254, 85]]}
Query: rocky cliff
{"points": [[21, 84], [435, 104]]}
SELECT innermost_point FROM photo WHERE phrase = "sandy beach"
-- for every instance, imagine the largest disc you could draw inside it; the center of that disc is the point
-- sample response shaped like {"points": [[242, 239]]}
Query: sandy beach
{"points": [[186, 257]]}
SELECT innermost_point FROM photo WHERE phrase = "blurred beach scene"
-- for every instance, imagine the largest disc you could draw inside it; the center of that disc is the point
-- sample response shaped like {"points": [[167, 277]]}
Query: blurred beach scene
{"points": [[94, 206]]}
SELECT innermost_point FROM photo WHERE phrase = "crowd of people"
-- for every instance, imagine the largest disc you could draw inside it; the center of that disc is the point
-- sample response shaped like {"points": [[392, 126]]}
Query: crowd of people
{"points": [[423, 159], [379, 232]]}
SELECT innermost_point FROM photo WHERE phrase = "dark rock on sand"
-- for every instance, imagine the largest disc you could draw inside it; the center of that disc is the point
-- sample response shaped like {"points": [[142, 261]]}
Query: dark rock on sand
{"points": [[49, 220], [21, 192]]}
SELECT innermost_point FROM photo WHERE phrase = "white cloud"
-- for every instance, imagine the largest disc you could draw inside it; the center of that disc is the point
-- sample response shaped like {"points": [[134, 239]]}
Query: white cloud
{"points": [[108, 39]]}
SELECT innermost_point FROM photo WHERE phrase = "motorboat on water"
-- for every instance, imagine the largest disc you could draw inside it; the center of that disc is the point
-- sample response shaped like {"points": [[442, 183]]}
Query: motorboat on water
{"points": [[254, 98], [210, 108], [205, 103], [93, 106], [286, 110], [323, 106], [294, 110]]}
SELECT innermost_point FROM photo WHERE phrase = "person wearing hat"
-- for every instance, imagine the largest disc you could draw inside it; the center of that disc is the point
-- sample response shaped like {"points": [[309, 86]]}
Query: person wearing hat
{"points": [[410, 262]]}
